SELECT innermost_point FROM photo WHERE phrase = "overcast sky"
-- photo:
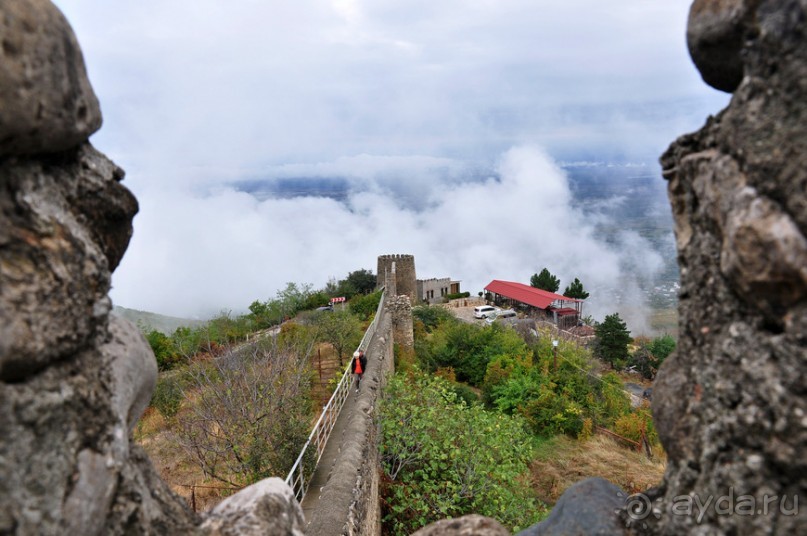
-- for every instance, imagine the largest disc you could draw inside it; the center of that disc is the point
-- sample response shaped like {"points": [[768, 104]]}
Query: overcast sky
{"points": [[197, 94]]}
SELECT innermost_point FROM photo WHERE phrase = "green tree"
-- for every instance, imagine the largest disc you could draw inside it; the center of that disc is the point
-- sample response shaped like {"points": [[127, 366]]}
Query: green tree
{"points": [[545, 281], [340, 329], [292, 299], [362, 281], [612, 339], [576, 290], [365, 306], [163, 348]]}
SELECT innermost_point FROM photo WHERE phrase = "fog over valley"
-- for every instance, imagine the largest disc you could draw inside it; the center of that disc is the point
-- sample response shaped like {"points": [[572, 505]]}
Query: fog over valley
{"points": [[274, 142], [239, 247]]}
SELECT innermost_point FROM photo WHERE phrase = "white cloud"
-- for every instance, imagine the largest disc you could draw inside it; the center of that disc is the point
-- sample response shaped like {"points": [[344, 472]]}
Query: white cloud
{"points": [[404, 99], [245, 84]]}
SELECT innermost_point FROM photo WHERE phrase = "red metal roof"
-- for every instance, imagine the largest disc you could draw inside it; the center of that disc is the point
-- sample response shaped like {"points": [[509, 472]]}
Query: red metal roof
{"points": [[526, 294]]}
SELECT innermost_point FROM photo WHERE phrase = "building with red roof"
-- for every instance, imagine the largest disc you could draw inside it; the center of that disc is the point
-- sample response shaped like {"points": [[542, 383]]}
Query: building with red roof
{"points": [[564, 311]]}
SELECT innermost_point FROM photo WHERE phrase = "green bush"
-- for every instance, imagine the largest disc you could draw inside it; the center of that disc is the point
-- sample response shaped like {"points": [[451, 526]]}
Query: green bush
{"points": [[662, 347], [649, 356], [442, 458], [168, 394], [555, 400], [163, 348], [469, 348], [432, 317], [465, 393], [365, 306], [457, 295]]}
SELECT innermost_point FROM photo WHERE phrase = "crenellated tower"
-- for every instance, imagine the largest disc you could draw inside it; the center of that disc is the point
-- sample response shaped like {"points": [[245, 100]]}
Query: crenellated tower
{"points": [[405, 275]]}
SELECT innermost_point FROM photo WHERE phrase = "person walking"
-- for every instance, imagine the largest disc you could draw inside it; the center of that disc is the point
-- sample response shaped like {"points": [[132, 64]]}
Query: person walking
{"points": [[358, 366]]}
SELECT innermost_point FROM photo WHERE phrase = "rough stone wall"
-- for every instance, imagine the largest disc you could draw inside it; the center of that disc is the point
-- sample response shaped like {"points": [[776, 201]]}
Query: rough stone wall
{"points": [[400, 309], [731, 404], [406, 276], [390, 283], [73, 379]]}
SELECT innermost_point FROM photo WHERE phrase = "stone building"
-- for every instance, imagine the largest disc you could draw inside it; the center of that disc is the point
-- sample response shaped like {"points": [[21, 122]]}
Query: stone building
{"points": [[435, 289]]}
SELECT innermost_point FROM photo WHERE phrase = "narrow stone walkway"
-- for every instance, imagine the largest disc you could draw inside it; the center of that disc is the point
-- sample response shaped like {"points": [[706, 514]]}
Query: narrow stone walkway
{"points": [[311, 502], [327, 503]]}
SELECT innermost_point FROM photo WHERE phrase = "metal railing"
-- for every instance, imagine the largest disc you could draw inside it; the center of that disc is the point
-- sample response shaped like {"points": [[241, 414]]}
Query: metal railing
{"points": [[298, 478]]}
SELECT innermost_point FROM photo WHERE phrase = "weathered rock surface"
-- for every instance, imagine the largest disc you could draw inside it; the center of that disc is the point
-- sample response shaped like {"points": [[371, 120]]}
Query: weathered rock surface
{"points": [[589, 507], [715, 34], [46, 101], [65, 221], [267, 507], [74, 381], [731, 403], [470, 525]]}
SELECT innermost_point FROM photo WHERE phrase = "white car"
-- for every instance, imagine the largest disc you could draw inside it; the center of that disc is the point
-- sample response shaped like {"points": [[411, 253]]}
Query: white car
{"points": [[484, 311]]}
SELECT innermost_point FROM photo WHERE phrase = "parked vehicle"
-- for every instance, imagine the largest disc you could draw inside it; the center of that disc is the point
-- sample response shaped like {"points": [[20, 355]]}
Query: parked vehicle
{"points": [[483, 311], [506, 313]]}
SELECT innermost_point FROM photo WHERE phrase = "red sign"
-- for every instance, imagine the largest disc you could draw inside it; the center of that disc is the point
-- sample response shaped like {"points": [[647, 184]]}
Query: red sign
{"points": [[338, 300]]}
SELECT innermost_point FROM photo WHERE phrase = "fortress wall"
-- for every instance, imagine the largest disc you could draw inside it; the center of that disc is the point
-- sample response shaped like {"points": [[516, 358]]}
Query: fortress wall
{"points": [[349, 502]]}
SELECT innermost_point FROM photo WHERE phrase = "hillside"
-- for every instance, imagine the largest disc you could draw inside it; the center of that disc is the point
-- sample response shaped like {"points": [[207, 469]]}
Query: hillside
{"points": [[147, 321]]}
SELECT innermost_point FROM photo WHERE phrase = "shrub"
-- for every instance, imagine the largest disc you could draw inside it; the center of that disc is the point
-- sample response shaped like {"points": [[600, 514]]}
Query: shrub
{"points": [[443, 459], [587, 431], [556, 401], [404, 358], [458, 295], [662, 347], [644, 362], [163, 348], [168, 395], [651, 354], [365, 306], [469, 348], [465, 394], [432, 317], [632, 424]]}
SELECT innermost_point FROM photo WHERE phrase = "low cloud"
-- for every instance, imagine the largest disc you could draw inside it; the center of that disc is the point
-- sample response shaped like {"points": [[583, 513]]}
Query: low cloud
{"points": [[196, 253]]}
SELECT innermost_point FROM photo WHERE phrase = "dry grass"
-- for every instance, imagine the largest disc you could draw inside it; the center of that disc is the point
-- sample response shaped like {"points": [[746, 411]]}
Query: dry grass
{"points": [[562, 461], [153, 433]]}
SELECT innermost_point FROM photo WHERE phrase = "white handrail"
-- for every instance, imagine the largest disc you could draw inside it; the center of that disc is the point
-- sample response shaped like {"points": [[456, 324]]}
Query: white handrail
{"points": [[297, 479]]}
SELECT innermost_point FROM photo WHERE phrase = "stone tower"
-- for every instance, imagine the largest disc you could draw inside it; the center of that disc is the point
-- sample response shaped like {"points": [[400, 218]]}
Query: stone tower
{"points": [[405, 276]]}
